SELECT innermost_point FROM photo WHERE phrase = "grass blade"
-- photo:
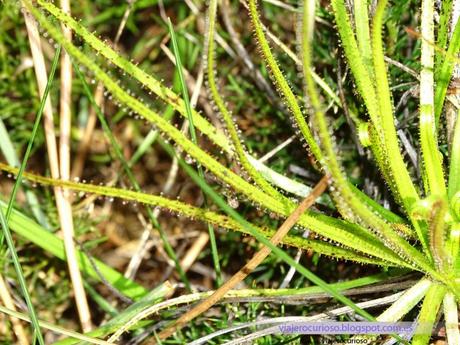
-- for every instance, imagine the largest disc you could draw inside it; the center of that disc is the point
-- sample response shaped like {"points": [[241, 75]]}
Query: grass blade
{"points": [[428, 314], [265, 241], [126, 167], [333, 292], [361, 243], [230, 123], [54, 328], [432, 158], [445, 70], [4, 217], [188, 109], [454, 166], [6, 146], [451, 317], [30, 230]]}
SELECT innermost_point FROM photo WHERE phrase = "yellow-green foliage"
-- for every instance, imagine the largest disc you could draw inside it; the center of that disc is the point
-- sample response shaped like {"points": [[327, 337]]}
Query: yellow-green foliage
{"points": [[427, 239]]}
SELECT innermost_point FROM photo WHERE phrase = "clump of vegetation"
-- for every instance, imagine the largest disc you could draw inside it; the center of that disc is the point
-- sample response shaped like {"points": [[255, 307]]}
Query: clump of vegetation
{"points": [[392, 201]]}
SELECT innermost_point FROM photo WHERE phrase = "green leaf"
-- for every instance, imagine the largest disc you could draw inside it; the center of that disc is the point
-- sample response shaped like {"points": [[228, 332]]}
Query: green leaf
{"points": [[310, 220], [444, 70], [360, 240], [188, 109], [33, 232], [428, 314], [281, 82], [432, 158], [454, 166], [6, 215]]}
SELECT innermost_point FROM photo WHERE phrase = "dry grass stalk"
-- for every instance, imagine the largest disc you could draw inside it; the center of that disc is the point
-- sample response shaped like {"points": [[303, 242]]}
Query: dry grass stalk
{"points": [[62, 203], [250, 265]]}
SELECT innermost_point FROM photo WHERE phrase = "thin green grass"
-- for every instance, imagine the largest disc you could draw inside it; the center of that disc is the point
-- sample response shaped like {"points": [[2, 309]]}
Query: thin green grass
{"points": [[128, 171], [5, 217], [419, 232], [193, 136]]}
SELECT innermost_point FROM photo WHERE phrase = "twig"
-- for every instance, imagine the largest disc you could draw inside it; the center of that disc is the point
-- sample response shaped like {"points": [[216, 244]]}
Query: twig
{"points": [[411, 152], [83, 147], [411, 92], [143, 246], [250, 266], [277, 149], [163, 14], [282, 5], [205, 271], [321, 296], [194, 251], [65, 101], [122, 24], [201, 24], [250, 295], [402, 67], [104, 281], [290, 274]]}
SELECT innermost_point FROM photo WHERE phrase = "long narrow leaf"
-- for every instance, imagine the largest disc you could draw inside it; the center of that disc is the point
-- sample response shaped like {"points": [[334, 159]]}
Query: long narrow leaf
{"points": [[432, 158], [359, 240], [430, 309], [5, 216], [265, 241], [313, 221], [30, 230], [127, 169], [188, 108]]}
